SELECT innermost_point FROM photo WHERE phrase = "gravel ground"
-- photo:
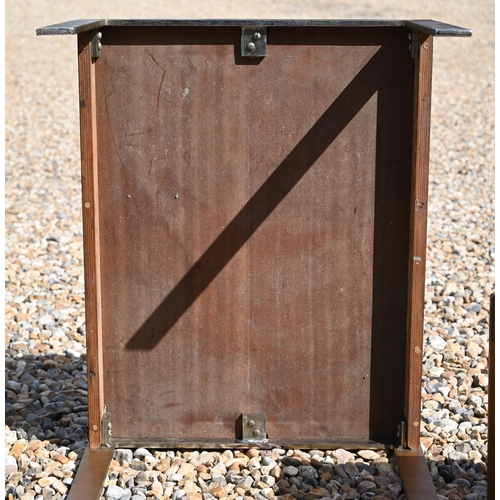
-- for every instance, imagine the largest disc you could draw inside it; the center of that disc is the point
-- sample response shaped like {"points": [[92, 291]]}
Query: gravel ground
{"points": [[46, 390]]}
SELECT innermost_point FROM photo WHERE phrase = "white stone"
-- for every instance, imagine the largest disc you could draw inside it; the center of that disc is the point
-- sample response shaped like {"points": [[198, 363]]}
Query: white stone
{"points": [[368, 454], [46, 319], [114, 492], [437, 343]]}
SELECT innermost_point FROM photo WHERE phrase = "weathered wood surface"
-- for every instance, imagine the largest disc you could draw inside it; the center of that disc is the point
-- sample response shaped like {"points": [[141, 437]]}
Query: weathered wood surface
{"points": [[418, 237], [91, 244], [254, 226]]}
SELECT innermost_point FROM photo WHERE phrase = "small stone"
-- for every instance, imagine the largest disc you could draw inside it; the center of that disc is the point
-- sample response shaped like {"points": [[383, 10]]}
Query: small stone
{"points": [[292, 461], [437, 343], [269, 462], [141, 453], [46, 481], [368, 454], [290, 470], [218, 491], [10, 465], [473, 350], [340, 471], [395, 489], [17, 449], [178, 494], [246, 484], [344, 456], [366, 486], [351, 469], [48, 493], [457, 455], [121, 454], [114, 492], [59, 486], [188, 468], [269, 480], [45, 319]]}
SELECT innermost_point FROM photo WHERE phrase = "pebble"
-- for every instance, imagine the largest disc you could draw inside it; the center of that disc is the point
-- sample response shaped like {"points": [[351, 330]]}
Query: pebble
{"points": [[46, 366]]}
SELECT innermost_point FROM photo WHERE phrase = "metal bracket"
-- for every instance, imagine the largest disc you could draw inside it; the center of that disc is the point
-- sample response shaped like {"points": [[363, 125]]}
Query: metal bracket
{"points": [[401, 435], [106, 433], [253, 427], [414, 46], [96, 43], [253, 41]]}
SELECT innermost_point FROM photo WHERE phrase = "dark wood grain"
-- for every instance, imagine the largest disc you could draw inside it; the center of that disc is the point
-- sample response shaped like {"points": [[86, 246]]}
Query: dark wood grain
{"points": [[91, 243], [418, 242]]}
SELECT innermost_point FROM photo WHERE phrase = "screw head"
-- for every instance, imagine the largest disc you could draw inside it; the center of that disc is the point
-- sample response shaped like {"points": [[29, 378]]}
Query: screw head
{"points": [[250, 423], [99, 35], [251, 47], [257, 36], [256, 433], [99, 45]]}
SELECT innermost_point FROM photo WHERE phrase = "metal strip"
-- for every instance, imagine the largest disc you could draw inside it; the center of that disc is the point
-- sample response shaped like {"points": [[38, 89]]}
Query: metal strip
{"points": [[212, 444], [71, 27], [436, 28], [91, 474], [417, 481], [430, 27]]}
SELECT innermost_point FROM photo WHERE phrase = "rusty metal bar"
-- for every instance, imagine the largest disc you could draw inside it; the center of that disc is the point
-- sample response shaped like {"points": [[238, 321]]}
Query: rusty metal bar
{"points": [[89, 480], [417, 482]]}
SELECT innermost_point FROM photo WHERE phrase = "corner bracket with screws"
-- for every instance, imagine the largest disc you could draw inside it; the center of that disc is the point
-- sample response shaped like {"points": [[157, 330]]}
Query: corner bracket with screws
{"points": [[253, 41], [106, 432], [96, 43], [253, 427]]}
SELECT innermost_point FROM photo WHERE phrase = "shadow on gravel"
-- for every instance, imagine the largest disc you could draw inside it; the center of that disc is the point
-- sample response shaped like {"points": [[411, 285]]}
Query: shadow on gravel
{"points": [[46, 397]]}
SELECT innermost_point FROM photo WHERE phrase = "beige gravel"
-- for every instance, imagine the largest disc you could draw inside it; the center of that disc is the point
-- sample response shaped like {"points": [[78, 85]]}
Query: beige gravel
{"points": [[44, 294]]}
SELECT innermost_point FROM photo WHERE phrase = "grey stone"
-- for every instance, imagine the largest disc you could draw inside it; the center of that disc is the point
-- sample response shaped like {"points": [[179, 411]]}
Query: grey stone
{"points": [[351, 469], [290, 470], [366, 486], [123, 454], [48, 493], [340, 471], [395, 489], [269, 462], [178, 494], [308, 471], [383, 482]]}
